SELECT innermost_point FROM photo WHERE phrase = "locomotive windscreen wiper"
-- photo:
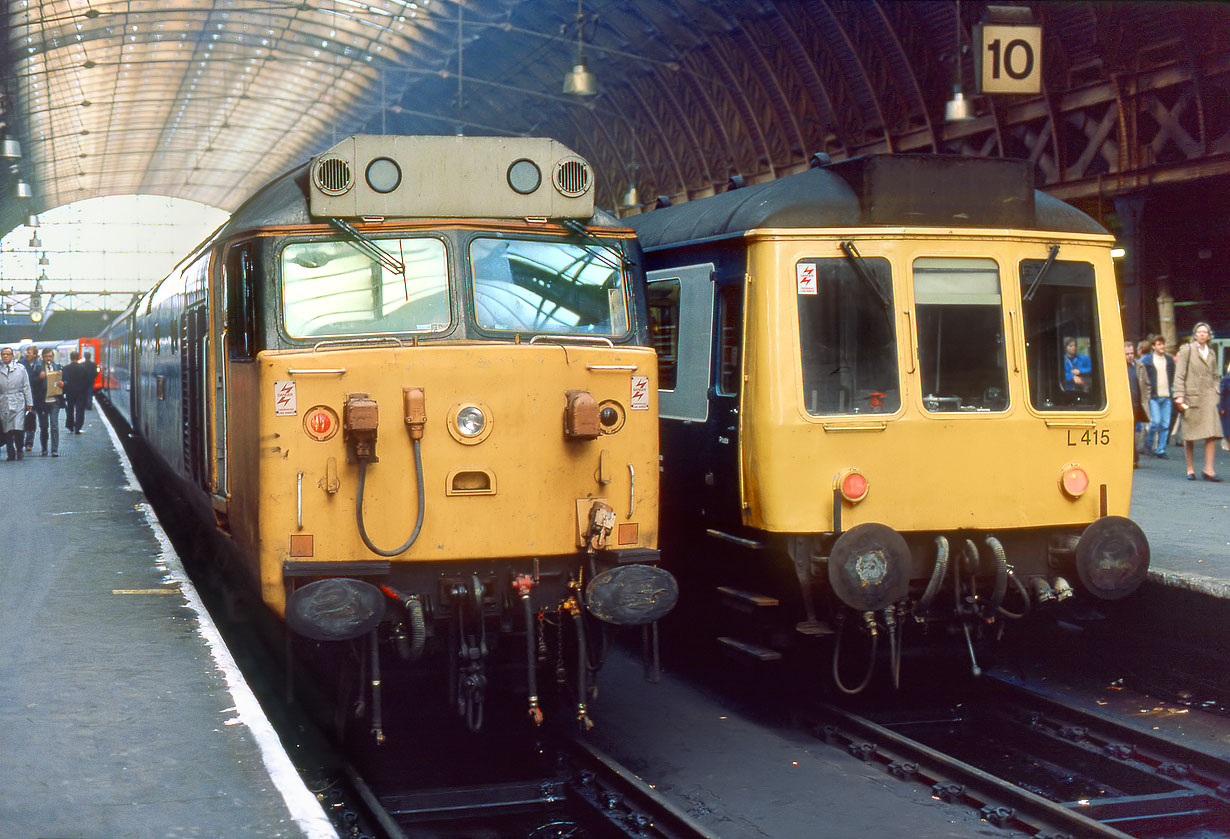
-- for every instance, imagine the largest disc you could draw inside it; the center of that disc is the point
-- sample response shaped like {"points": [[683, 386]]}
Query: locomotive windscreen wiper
{"points": [[581, 230], [369, 248], [860, 268], [1046, 266]]}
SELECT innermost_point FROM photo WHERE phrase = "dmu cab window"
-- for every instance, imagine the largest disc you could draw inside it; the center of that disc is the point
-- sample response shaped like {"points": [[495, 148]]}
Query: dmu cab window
{"points": [[548, 287], [1061, 336], [961, 357], [333, 288], [846, 335]]}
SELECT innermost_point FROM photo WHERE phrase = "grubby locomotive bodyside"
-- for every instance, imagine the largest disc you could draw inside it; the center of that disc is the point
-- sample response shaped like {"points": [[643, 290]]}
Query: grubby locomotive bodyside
{"points": [[891, 396], [411, 381]]}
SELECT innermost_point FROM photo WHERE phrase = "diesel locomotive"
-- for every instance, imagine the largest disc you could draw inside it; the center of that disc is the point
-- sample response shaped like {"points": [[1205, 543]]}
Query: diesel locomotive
{"points": [[873, 412], [411, 383]]}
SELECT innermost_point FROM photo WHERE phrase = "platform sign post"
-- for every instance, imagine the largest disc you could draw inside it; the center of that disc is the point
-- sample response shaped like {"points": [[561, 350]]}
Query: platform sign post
{"points": [[1009, 58]]}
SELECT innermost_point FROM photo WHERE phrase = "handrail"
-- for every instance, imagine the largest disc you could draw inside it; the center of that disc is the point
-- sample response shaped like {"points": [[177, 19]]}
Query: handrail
{"points": [[574, 339], [359, 340]]}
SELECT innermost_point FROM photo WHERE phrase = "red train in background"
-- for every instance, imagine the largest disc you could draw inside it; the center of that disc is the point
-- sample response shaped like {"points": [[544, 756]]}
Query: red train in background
{"points": [[89, 346]]}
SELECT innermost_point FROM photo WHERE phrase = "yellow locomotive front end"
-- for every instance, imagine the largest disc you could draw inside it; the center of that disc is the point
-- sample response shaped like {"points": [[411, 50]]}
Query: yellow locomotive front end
{"points": [[439, 413]]}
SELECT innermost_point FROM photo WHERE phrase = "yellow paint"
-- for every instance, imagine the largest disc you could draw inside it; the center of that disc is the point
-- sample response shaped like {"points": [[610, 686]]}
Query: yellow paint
{"points": [[1003, 474], [538, 475]]}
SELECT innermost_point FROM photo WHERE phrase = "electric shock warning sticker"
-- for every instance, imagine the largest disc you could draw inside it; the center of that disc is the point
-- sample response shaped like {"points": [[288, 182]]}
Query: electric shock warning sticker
{"points": [[285, 402], [640, 393], [805, 274]]}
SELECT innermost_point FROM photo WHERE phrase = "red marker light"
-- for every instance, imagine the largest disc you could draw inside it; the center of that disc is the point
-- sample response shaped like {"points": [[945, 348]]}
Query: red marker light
{"points": [[853, 485], [320, 422], [1073, 480]]}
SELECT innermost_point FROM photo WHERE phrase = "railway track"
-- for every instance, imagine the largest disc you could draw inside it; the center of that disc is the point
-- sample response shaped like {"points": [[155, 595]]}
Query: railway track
{"points": [[588, 796], [1035, 764]]}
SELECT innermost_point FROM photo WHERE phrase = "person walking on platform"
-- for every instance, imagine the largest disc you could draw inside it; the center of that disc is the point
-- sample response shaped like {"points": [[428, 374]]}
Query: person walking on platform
{"points": [[1195, 393], [15, 399], [1157, 370], [50, 384], [91, 375], [1138, 412], [78, 383], [30, 361]]}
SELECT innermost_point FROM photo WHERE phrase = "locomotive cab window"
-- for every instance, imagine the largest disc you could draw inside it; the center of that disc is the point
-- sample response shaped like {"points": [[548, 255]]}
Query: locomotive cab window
{"points": [[333, 288], [240, 290], [548, 287], [1061, 336], [846, 337], [961, 356]]}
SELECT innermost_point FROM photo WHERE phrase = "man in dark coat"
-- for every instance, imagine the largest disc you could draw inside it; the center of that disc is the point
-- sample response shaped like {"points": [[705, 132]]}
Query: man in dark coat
{"points": [[30, 362], [78, 388], [1138, 411]]}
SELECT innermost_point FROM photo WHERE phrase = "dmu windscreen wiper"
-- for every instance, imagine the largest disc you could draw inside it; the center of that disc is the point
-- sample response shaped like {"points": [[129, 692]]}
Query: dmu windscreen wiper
{"points": [[860, 268], [1046, 266]]}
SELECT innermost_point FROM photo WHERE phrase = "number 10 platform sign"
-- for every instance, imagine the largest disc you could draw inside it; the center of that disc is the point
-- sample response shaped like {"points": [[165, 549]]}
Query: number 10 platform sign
{"points": [[1010, 58]]}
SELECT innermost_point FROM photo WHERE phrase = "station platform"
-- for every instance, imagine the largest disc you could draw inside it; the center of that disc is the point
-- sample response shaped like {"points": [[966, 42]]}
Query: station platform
{"points": [[121, 711], [1187, 522]]}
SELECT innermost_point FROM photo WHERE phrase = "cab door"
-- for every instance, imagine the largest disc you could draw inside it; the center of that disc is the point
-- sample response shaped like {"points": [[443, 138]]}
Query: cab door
{"points": [[723, 501]]}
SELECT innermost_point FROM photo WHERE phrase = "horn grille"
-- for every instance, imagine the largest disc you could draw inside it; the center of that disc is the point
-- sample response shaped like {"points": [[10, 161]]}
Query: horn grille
{"points": [[334, 175], [572, 177]]}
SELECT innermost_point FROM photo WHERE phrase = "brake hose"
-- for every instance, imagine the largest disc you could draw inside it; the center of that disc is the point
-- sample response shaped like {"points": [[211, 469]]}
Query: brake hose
{"points": [[418, 525]]}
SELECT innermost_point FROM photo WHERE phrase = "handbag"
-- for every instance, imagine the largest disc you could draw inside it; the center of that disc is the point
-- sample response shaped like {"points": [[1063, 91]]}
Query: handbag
{"points": [[29, 423]]}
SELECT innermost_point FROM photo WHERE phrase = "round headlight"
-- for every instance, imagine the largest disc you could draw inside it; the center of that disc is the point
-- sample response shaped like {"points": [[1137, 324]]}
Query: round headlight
{"points": [[470, 421], [383, 175], [524, 176]]}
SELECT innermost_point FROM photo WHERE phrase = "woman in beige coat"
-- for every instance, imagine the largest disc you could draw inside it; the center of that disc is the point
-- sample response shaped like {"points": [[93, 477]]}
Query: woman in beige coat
{"points": [[1195, 391]]}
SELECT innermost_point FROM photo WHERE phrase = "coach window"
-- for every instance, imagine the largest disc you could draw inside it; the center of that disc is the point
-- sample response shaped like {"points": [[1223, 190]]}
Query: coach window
{"points": [[333, 288], [846, 336], [961, 356], [548, 287], [1059, 303], [664, 329]]}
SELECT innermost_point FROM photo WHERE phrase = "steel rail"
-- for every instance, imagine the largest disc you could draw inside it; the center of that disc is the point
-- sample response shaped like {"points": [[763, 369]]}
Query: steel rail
{"points": [[625, 800], [954, 780], [1106, 728]]}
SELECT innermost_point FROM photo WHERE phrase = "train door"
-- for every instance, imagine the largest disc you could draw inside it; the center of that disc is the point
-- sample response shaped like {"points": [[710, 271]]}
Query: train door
{"points": [[723, 492], [689, 320], [234, 302]]}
